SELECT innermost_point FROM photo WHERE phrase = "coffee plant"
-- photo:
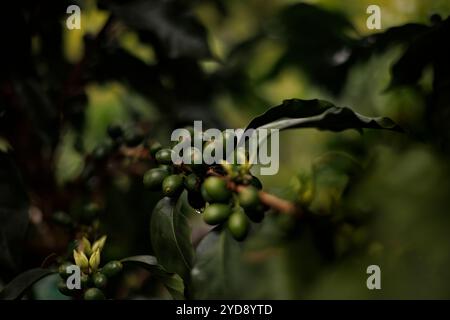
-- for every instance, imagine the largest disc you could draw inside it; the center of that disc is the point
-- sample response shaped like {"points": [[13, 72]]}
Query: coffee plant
{"points": [[137, 224]]}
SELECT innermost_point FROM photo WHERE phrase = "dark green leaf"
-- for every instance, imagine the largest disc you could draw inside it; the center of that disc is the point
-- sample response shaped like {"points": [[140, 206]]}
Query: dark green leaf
{"points": [[318, 114], [175, 25], [409, 68], [171, 237], [318, 49], [327, 51], [378, 43], [13, 215], [172, 281], [406, 33], [17, 287], [140, 76], [428, 48], [147, 262], [217, 266]]}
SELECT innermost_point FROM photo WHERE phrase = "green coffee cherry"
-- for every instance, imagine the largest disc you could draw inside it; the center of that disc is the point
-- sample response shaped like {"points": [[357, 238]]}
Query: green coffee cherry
{"points": [[192, 183], [62, 270], [133, 139], [115, 132], [238, 225], [166, 167], [100, 280], [62, 287], [216, 189], [155, 147], [153, 178], [85, 281], [164, 156], [216, 213], [93, 294], [172, 185], [205, 194], [248, 197], [112, 268], [195, 200]]}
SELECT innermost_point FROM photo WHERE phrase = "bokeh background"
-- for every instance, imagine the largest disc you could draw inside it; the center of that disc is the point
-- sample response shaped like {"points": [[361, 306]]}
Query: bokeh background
{"points": [[377, 198]]}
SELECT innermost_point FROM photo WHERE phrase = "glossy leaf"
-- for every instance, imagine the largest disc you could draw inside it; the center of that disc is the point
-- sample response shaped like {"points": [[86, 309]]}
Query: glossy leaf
{"points": [[172, 281], [217, 266], [406, 33], [171, 237], [18, 286], [318, 114], [427, 49]]}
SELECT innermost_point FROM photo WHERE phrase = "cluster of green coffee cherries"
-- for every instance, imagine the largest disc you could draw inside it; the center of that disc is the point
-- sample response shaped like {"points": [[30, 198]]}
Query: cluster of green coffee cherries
{"points": [[225, 194], [118, 137], [84, 216], [93, 279]]}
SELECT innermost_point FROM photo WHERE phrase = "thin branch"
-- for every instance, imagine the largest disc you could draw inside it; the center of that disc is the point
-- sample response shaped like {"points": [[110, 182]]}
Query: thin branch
{"points": [[280, 205], [139, 152]]}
